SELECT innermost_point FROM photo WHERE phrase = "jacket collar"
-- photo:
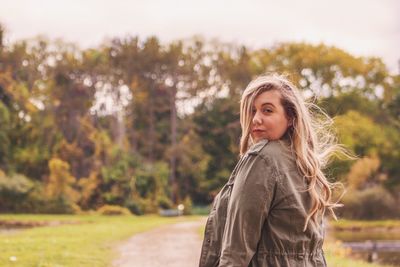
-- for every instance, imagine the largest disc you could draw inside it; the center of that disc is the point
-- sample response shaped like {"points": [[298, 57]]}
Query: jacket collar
{"points": [[256, 148]]}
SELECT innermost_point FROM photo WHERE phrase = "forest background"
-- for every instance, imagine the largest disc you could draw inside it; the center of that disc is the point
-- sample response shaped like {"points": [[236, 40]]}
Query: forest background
{"points": [[147, 125]]}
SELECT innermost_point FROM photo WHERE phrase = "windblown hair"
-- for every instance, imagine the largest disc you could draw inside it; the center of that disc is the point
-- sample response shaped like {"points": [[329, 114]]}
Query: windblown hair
{"points": [[311, 139]]}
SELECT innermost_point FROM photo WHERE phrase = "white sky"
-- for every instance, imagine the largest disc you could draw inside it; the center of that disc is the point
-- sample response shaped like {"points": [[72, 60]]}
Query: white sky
{"points": [[361, 27]]}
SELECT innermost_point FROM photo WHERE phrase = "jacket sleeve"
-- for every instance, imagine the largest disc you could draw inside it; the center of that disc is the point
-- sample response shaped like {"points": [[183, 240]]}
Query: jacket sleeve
{"points": [[248, 207]]}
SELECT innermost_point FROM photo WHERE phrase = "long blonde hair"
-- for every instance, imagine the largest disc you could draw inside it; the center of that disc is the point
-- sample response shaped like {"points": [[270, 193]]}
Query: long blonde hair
{"points": [[311, 139]]}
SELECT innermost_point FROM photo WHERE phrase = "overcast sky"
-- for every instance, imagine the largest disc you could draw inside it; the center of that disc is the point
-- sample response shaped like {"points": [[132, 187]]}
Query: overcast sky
{"points": [[361, 27]]}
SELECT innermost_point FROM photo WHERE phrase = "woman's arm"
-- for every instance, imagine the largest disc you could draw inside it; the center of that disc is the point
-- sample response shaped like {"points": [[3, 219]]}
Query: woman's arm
{"points": [[248, 207]]}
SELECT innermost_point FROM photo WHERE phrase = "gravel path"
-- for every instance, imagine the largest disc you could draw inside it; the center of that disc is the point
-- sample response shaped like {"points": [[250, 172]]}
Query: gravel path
{"points": [[176, 245]]}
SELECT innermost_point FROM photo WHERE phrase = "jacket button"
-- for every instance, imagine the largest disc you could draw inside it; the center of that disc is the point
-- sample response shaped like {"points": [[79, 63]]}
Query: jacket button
{"points": [[208, 240]]}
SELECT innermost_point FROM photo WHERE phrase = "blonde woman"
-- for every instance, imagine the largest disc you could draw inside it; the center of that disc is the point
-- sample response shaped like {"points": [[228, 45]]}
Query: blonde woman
{"points": [[270, 212]]}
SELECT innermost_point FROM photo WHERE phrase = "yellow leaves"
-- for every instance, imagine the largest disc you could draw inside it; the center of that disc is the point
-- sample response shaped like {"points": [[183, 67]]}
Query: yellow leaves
{"points": [[293, 57], [103, 145], [6, 79], [135, 83], [113, 210], [366, 139], [70, 150], [359, 132], [361, 171], [60, 181], [141, 96], [88, 186]]}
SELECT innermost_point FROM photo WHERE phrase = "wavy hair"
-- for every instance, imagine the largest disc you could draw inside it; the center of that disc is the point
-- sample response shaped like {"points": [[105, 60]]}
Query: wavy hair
{"points": [[311, 139]]}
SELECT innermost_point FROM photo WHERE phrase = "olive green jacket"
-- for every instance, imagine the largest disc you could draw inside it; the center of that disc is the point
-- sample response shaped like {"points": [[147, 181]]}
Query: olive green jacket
{"points": [[257, 218]]}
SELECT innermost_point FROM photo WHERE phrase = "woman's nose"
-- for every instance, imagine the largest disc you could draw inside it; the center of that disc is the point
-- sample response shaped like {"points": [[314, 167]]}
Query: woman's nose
{"points": [[257, 118]]}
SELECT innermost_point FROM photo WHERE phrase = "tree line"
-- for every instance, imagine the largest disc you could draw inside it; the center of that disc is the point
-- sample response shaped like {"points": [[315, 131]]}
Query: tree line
{"points": [[147, 125]]}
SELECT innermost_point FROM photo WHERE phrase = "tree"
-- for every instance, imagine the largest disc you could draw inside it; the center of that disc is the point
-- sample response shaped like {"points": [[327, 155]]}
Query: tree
{"points": [[60, 183]]}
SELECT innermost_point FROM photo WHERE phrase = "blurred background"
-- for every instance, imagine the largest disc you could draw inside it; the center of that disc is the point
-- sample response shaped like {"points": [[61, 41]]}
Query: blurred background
{"points": [[133, 106]]}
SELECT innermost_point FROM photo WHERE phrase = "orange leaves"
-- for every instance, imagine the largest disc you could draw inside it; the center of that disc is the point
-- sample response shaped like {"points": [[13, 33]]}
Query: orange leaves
{"points": [[60, 182]]}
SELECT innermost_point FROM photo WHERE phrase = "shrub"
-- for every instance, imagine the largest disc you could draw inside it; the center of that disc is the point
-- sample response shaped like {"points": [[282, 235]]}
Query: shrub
{"points": [[140, 206], [18, 194], [15, 186], [134, 207], [187, 203], [164, 203], [147, 205], [60, 205], [372, 203], [113, 210]]}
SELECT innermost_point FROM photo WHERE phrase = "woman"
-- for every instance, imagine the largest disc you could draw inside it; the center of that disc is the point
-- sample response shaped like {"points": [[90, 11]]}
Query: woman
{"points": [[270, 212]]}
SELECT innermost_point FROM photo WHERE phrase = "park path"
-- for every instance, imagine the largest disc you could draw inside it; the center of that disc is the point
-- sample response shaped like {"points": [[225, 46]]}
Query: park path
{"points": [[175, 245]]}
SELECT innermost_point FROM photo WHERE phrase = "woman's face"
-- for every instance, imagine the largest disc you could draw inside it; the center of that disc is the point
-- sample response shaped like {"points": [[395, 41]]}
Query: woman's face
{"points": [[269, 117]]}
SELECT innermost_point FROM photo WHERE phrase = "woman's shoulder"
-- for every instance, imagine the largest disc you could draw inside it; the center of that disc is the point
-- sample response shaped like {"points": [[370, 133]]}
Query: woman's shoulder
{"points": [[270, 148]]}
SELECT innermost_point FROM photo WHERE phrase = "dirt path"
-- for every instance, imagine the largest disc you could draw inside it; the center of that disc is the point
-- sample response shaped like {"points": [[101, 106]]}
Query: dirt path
{"points": [[176, 245]]}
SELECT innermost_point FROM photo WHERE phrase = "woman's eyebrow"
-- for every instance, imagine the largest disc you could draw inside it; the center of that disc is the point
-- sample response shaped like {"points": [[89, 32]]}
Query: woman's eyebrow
{"points": [[267, 103]]}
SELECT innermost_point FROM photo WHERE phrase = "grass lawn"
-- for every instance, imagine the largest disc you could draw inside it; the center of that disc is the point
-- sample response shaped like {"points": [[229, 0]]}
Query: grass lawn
{"points": [[89, 243], [338, 256]]}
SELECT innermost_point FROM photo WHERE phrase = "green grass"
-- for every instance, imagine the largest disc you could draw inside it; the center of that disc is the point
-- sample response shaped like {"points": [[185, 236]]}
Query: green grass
{"points": [[201, 210], [90, 243], [338, 256]]}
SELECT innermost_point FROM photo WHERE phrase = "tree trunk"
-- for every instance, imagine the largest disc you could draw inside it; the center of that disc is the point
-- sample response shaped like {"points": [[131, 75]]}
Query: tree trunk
{"points": [[172, 178], [121, 130], [152, 131]]}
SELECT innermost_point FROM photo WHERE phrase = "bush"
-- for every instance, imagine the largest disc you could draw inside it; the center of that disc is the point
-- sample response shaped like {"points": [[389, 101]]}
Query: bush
{"points": [[187, 203], [147, 205], [113, 210], [164, 203], [134, 207], [370, 204], [34, 204], [14, 188], [18, 194], [60, 205]]}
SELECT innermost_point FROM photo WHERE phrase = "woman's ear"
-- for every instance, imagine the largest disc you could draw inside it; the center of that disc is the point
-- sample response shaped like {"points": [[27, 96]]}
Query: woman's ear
{"points": [[290, 123]]}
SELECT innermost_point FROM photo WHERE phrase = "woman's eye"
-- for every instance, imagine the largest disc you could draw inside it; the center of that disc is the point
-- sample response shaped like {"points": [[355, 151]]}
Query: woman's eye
{"points": [[267, 110]]}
